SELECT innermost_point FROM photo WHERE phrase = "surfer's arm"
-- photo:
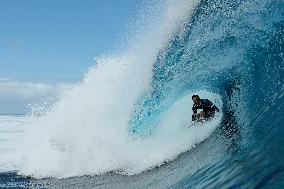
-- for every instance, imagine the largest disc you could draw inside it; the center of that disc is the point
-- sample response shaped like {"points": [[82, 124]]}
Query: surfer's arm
{"points": [[215, 108], [194, 109], [211, 105], [194, 115]]}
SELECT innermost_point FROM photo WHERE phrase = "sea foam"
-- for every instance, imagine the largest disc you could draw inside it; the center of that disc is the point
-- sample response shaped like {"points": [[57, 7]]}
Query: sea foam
{"points": [[86, 132]]}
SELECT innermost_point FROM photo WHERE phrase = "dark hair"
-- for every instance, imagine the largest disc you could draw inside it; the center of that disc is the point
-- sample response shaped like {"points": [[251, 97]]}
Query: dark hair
{"points": [[195, 96]]}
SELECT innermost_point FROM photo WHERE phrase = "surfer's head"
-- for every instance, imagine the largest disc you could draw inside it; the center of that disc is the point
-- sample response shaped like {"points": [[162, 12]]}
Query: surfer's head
{"points": [[195, 99]]}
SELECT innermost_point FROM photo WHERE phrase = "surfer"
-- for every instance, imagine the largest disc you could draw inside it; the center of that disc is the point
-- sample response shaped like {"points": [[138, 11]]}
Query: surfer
{"points": [[207, 107]]}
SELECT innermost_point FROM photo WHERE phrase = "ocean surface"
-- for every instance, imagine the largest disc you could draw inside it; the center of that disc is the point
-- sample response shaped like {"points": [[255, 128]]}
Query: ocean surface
{"points": [[127, 124]]}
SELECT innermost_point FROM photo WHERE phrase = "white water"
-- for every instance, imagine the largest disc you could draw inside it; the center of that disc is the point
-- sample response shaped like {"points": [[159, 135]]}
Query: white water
{"points": [[86, 132]]}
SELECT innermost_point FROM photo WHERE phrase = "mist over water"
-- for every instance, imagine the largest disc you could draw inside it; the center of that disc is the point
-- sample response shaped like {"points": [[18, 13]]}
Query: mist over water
{"points": [[87, 130]]}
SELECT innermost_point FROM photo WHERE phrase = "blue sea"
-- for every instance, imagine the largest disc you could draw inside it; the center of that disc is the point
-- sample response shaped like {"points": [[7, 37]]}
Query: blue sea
{"points": [[127, 124]]}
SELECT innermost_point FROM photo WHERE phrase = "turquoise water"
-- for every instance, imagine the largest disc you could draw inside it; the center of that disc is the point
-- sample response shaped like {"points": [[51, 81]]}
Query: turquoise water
{"points": [[232, 50]]}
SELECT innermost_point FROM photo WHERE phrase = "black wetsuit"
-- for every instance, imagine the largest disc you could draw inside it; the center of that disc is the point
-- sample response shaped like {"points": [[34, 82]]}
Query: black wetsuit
{"points": [[208, 107]]}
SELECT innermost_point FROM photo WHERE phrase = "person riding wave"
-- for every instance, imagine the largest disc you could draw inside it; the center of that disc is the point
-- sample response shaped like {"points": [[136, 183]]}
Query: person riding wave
{"points": [[208, 109]]}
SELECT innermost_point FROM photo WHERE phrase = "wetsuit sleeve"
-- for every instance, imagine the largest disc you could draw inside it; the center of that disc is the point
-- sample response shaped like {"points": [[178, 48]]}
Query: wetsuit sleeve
{"points": [[194, 113], [194, 110], [215, 108], [208, 103], [211, 105]]}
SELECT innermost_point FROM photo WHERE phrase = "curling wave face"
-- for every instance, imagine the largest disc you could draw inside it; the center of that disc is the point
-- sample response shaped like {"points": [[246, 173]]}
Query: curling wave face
{"points": [[87, 131], [131, 112]]}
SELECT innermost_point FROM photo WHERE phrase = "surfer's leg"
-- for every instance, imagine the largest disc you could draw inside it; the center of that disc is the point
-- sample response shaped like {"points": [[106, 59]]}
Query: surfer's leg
{"points": [[209, 114], [202, 114]]}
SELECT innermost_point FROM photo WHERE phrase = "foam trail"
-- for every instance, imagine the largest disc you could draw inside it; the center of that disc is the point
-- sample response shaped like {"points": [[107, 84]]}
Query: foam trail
{"points": [[87, 130]]}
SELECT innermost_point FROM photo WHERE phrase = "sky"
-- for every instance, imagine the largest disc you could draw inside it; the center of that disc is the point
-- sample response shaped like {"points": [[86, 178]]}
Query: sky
{"points": [[46, 43], [58, 39]]}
